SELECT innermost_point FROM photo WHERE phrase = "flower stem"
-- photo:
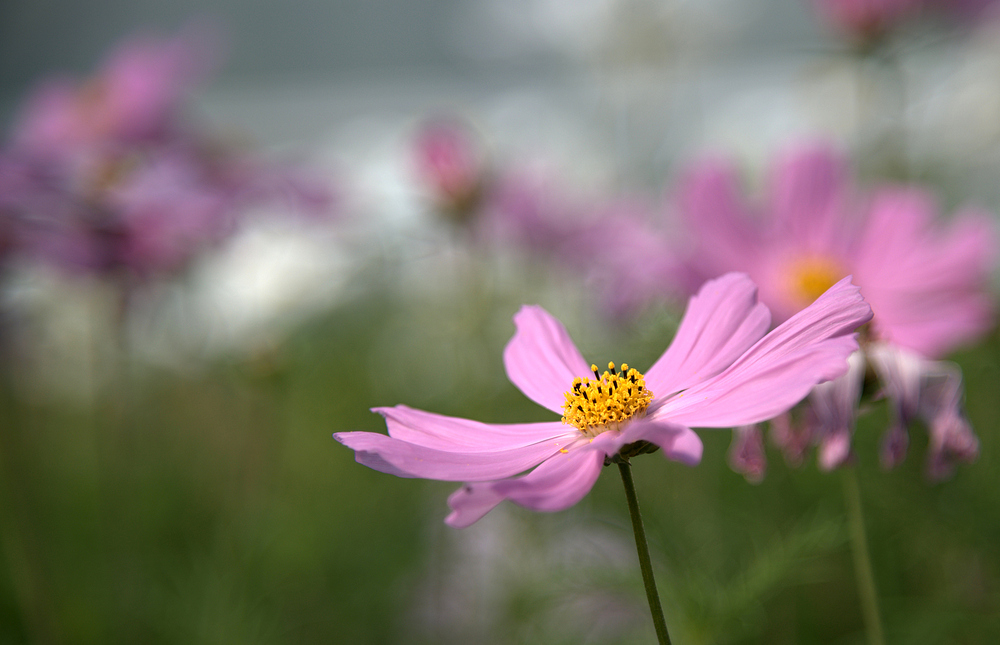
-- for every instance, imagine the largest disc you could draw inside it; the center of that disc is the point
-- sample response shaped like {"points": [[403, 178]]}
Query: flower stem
{"points": [[643, 550], [862, 561]]}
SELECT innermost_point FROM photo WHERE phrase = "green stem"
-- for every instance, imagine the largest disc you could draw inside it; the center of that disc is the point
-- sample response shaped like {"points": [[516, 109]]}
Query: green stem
{"points": [[862, 561], [643, 550]]}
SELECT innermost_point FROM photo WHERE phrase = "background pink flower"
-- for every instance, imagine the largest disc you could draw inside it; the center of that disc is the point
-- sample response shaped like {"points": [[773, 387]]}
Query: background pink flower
{"points": [[135, 96], [927, 281]]}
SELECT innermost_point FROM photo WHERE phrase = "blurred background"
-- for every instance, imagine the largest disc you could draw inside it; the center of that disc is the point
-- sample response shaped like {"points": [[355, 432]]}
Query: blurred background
{"points": [[167, 472]]}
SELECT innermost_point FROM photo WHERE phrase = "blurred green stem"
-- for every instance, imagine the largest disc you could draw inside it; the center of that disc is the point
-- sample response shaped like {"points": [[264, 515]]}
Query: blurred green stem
{"points": [[643, 549], [862, 561]]}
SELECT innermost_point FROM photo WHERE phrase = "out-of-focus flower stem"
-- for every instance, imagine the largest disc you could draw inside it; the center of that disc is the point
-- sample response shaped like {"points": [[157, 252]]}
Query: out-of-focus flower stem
{"points": [[643, 550], [862, 562]]}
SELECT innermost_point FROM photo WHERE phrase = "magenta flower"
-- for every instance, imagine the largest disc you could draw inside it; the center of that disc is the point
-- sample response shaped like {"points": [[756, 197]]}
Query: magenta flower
{"points": [[928, 285], [452, 163], [720, 371], [107, 177], [134, 97]]}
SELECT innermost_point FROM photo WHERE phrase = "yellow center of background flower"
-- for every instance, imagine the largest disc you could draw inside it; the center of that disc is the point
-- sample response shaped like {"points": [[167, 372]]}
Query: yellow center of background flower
{"points": [[606, 401], [809, 277]]}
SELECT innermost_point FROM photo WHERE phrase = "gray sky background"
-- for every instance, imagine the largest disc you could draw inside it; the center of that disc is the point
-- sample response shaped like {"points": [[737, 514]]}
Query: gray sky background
{"points": [[335, 38]]}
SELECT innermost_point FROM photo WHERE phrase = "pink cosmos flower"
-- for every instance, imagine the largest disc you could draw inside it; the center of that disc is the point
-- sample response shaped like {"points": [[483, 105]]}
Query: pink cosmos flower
{"points": [[451, 162], [134, 97], [107, 177], [927, 283], [723, 369]]}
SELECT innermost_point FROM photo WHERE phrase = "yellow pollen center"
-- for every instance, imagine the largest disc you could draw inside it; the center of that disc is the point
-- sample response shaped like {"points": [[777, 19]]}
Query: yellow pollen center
{"points": [[810, 277], [606, 401]]}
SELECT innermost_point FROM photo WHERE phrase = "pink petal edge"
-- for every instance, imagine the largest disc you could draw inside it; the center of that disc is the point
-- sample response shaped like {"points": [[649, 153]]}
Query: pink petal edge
{"points": [[541, 359], [723, 320]]}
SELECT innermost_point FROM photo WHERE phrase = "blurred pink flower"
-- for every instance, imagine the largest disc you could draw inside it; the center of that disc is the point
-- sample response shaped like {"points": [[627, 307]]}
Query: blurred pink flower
{"points": [[723, 369], [451, 162], [927, 283], [134, 97], [107, 177], [866, 20]]}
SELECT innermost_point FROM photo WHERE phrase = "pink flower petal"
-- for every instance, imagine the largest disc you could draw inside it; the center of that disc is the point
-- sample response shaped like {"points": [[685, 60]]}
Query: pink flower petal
{"points": [[721, 323], [780, 370], [677, 442], [746, 453], [713, 210], [541, 359], [807, 194], [452, 434], [470, 503], [404, 459], [557, 484], [833, 411], [566, 477], [928, 285]]}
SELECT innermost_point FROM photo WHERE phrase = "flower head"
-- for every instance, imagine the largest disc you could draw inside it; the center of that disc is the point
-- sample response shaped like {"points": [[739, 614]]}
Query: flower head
{"points": [[927, 282], [928, 285], [722, 370], [450, 161], [135, 96], [105, 176]]}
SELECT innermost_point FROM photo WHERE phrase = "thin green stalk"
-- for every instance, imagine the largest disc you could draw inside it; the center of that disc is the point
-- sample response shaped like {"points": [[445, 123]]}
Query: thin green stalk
{"points": [[643, 550], [862, 561]]}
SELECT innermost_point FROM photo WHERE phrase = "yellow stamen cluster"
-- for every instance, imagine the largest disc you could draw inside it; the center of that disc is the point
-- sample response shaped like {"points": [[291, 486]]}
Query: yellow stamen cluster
{"points": [[809, 277], [606, 401]]}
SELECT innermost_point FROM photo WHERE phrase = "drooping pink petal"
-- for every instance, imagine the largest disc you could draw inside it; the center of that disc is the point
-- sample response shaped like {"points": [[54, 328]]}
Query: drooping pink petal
{"points": [[454, 434], [677, 442], [833, 411], [721, 323], [557, 484], [792, 439], [566, 477], [899, 372], [951, 441], [470, 503], [541, 359], [835, 450], [780, 370], [746, 453], [404, 459], [893, 446]]}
